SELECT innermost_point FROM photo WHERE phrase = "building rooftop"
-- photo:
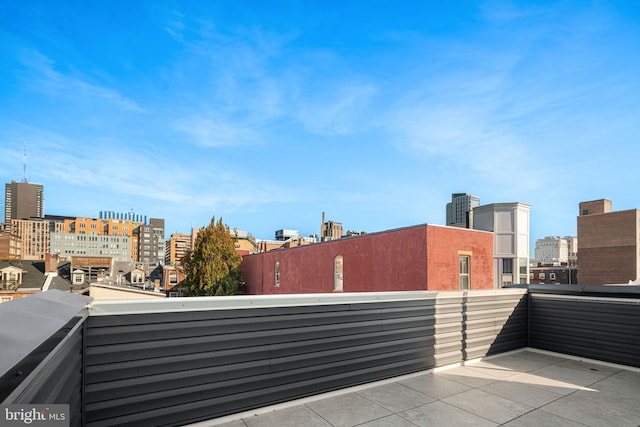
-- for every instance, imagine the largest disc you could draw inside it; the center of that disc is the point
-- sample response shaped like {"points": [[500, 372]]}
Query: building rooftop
{"points": [[525, 387], [533, 356]]}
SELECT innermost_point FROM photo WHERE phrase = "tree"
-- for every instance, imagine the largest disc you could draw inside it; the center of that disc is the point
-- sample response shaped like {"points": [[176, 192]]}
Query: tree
{"points": [[213, 265]]}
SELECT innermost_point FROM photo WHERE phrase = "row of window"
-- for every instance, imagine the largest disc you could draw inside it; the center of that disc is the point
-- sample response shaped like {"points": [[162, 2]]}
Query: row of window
{"points": [[541, 276], [338, 273]]}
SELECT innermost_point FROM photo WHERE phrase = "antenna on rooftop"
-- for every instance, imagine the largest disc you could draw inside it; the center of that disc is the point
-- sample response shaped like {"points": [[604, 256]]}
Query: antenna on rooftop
{"points": [[24, 163]]}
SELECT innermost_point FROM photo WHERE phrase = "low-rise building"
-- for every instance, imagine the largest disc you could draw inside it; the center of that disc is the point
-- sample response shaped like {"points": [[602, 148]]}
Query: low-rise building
{"points": [[553, 274], [423, 257], [19, 278]]}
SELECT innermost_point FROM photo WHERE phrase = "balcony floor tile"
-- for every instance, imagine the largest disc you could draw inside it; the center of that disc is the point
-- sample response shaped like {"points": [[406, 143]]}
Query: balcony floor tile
{"points": [[518, 389]]}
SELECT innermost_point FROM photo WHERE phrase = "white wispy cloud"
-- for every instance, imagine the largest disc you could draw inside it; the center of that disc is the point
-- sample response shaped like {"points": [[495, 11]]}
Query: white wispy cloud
{"points": [[339, 109], [41, 75], [215, 131]]}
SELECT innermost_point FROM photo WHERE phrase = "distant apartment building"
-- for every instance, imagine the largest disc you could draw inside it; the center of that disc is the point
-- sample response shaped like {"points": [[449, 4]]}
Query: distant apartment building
{"points": [[609, 244], [68, 245], [509, 223], [330, 230], [22, 200], [556, 250], [458, 210], [34, 237], [150, 242], [10, 245], [423, 257], [177, 247]]}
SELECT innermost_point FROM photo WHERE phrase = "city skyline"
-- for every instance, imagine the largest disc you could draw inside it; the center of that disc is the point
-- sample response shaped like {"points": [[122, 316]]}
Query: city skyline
{"points": [[269, 115]]}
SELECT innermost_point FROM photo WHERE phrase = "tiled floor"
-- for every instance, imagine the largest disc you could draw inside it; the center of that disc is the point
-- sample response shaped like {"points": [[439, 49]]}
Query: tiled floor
{"points": [[524, 388]]}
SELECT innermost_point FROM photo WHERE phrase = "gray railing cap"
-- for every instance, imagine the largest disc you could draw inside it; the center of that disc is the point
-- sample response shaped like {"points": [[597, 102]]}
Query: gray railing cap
{"points": [[30, 321]]}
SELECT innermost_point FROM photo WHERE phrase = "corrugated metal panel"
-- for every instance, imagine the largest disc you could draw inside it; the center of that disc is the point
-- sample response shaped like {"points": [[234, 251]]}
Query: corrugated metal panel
{"points": [[174, 368], [599, 328], [42, 350], [58, 380]]}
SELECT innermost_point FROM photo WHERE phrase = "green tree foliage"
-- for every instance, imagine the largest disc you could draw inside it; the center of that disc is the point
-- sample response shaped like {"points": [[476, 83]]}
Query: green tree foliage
{"points": [[213, 266]]}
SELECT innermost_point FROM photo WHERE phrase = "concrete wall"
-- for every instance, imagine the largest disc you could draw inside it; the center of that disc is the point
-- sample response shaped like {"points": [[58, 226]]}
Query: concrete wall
{"points": [[102, 292]]}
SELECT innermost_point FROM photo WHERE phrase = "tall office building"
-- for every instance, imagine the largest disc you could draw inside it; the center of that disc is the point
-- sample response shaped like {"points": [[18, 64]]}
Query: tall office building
{"points": [[458, 209], [22, 200]]}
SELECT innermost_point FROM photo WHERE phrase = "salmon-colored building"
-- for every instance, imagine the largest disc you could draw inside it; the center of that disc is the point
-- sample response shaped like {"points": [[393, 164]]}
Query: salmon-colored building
{"points": [[423, 257]]}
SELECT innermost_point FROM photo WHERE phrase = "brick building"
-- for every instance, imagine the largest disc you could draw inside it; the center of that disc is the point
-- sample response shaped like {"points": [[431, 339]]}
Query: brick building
{"points": [[423, 257], [609, 244]]}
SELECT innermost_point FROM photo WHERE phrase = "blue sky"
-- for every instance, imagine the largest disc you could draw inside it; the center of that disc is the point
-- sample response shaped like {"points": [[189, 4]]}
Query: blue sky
{"points": [[268, 113]]}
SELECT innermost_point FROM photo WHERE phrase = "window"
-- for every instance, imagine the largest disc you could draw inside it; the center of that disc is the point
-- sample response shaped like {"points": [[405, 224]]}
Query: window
{"points": [[137, 277], [524, 268], [464, 272], [78, 278], [552, 276], [507, 265], [541, 276], [277, 273], [338, 273]]}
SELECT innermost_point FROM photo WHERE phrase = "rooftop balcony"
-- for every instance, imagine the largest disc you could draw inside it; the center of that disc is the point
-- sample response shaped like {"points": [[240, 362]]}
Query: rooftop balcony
{"points": [[511, 356]]}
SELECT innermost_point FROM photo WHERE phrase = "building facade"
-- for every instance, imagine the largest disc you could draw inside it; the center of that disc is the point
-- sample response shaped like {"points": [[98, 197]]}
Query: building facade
{"points": [[131, 216], [330, 230], [609, 244], [176, 248], [33, 235], [509, 223], [150, 242], [542, 274], [556, 250], [23, 200], [459, 209], [424, 257], [10, 245], [67, 245]]}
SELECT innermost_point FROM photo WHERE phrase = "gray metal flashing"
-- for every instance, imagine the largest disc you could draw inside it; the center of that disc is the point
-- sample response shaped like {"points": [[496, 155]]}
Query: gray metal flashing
{"points": [[118, 307], [33, 321]]}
